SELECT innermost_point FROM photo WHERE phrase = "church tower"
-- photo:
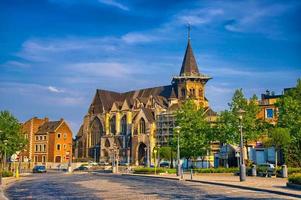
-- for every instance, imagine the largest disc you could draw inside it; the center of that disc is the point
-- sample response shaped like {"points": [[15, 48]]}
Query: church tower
{"points": [[191, 83]]}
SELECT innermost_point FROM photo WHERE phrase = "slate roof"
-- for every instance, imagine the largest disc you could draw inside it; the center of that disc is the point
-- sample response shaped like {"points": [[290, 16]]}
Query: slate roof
{"points": [[148, 114], [104, 99], [50, 126], [189, 65]]}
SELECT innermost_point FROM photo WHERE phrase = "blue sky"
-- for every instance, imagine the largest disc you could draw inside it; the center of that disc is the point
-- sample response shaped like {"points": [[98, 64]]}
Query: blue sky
{"points": [[55, 53]]}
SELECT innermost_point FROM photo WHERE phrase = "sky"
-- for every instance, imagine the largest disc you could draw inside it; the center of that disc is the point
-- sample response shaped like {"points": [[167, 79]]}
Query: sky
{"points": [[54, 54]]}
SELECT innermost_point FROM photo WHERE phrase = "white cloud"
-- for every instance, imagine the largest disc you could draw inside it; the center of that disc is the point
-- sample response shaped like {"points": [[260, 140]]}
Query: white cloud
{"points": [[115, 4], [54, 89], [133, 38]]}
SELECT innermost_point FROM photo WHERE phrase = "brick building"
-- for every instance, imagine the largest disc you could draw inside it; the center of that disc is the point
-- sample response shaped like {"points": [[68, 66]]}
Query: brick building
{"points": [[48, 141]]}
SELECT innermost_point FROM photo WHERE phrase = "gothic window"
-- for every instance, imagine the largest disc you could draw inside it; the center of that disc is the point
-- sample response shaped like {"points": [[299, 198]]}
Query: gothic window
{"points": [[107, 143], [123, 125], [183, 92], [113, 125], [96, 131], [142, 125]]}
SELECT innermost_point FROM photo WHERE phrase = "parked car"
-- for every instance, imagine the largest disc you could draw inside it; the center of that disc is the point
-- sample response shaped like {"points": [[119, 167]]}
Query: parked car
{"points": [[164, 164], [266, 169], [103, 163], [81, 168], [93, 163], [39, 169]]}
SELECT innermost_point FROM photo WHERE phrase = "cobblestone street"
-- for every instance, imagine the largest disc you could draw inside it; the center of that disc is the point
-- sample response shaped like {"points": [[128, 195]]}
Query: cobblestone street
{"points": [[108, 186]]}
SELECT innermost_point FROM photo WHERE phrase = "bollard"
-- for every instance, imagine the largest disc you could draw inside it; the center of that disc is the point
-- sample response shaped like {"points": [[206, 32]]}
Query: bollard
{"points": [[191, 173], [284, 171], [17, 173], [254, 172]]}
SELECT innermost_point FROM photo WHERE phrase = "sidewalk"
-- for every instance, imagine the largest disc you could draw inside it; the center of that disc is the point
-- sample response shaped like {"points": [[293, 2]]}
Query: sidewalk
{"points": [[270, 185]]}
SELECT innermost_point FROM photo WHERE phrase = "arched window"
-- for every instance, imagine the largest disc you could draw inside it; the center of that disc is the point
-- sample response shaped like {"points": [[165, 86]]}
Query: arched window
{"points": [[200, 93], [142, 125], [113, 125], [183, 92], [96, 131], [123, 125]]}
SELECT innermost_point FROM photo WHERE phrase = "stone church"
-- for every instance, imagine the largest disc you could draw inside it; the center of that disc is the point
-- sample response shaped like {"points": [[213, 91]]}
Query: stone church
{"points": [[126, 124]]}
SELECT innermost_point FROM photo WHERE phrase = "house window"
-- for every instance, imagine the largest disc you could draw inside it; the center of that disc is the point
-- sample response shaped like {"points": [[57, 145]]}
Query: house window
{"points": [[43, 159], [58, 147], [58, 135], [64, 146], [44, 147], [36, 148], [65, 135], [269, 113], [35, 158], [142, 125], [45, 137], [37, 137], [41, 137]]}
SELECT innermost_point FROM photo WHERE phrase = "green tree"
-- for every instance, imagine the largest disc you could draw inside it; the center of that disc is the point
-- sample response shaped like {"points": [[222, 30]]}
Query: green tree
{"points": [[227, 127], [289, 116], [279, 138], [194, 131], [11, 139]]}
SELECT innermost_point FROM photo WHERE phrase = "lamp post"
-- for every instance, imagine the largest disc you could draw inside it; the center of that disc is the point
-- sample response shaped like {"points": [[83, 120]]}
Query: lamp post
{"points": [[155, 153], [242, 169], [179, 171], [4, 162], [70, 157], [158, 162]]}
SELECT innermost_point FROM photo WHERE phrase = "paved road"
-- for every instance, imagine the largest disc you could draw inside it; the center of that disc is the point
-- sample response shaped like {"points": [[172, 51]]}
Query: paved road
{"points": [[109, 186]]}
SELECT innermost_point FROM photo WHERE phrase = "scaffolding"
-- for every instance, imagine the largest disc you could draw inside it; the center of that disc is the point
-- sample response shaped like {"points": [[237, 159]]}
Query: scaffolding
{"points": [[165, 124]]}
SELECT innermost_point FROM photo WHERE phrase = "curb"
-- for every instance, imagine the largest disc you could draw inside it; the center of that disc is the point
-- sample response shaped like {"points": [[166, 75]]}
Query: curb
{"points": [[222, 184], [294, 186]]}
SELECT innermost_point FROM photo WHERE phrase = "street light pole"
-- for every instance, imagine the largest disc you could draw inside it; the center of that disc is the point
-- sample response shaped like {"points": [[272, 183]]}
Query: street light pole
{"points": [[178, 154], [242, 169]]}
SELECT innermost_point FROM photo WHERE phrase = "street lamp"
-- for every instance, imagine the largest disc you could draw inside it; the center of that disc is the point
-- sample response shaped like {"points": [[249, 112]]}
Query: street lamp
{"points": [[70, 157], [178, 153], [155, 153], [242, 169], [5, 143]]}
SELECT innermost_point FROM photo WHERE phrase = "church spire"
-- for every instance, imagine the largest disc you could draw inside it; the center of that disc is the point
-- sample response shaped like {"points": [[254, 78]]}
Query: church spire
{"points": [[189, 65]]}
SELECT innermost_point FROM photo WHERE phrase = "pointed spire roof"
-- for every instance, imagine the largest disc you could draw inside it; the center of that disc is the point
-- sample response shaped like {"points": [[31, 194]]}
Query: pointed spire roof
{"points": [[189, 65]]}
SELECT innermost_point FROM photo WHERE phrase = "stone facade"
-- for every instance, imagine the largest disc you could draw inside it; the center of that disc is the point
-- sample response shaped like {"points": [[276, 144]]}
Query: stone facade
{"points": [[126, 122]]}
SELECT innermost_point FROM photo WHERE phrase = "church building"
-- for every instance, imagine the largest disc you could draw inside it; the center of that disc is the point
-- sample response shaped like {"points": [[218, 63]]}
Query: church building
{"points": [[129, 125]]}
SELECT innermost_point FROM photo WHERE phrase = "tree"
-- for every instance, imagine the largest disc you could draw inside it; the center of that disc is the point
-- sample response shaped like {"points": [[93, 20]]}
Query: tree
{"points": [[227, 128], [194, 131], [289, 116], [11, 138], [279, 138], [167, 153]]}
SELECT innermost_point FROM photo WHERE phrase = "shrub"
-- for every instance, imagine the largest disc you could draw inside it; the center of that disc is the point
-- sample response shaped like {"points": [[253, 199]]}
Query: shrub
{"points": [[7, 173], [295, 179], [145, 170]]}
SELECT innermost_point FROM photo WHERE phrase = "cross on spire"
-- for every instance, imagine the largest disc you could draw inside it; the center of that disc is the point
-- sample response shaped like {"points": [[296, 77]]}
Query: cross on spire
{"points": [[188, 30]]}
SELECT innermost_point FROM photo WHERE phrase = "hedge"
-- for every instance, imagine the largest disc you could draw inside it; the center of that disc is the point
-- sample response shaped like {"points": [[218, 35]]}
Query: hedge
{"points": [[7, 173], [216, 170], [145, 170], [295, 179]]}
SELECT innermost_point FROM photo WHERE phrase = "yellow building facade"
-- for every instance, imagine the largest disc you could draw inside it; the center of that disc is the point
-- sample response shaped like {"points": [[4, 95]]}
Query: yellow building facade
{"points": [[126, 123]]}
